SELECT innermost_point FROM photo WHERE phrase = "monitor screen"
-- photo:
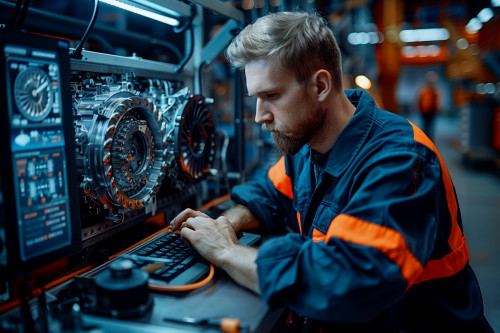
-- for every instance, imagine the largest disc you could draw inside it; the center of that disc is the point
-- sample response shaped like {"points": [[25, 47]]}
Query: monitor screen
{"points": [[42, 222]]}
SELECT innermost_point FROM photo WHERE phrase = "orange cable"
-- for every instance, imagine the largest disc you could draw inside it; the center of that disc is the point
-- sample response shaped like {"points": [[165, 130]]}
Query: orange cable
{"points": [[7, 306], [64, 278], [185, 287]]}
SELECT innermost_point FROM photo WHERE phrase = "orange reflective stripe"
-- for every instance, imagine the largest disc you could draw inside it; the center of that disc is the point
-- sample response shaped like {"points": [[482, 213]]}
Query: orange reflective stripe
{"points": [[386, 240], [318, 236], [450, 264], [300, 224], [282, 182], [457, 259]]}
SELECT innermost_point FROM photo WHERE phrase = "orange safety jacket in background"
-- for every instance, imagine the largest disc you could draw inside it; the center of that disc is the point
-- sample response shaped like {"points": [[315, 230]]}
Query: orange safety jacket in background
{"points": [[377, 242], [428, 100]]}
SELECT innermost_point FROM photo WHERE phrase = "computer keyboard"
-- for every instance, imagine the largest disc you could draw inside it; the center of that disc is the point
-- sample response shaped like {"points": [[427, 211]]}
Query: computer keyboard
{"points": [[169, 260]]}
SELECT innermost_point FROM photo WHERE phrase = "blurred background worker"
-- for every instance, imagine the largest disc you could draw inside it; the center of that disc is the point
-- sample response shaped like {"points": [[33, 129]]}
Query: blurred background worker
{"points": [[428, 103]]}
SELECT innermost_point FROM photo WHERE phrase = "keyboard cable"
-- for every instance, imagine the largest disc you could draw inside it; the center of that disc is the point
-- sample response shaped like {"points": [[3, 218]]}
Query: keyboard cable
{"points": [[184, 287]]}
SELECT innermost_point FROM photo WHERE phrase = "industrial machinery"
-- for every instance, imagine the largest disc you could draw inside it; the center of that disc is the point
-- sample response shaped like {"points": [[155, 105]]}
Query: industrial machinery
{"points": [[139, 141], [98, 142]]}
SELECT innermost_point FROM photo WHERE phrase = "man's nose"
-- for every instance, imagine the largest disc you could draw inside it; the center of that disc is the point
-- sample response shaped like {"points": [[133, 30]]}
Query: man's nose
{"points": [[262, 113]]}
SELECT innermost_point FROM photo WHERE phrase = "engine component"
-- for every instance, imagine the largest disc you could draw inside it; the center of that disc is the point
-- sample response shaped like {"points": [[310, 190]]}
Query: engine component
{"points": [[195, 138], [121, 145], [135, 136], [191, 137]]}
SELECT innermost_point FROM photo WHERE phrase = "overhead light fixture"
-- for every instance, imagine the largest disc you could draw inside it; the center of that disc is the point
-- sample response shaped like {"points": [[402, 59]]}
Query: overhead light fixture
{"points": [[138, 7], [424, 35]]}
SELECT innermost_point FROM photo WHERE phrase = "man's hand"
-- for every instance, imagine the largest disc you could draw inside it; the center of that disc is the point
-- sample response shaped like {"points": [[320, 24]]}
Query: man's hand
{"points": [[217, 242], [214, 239]]}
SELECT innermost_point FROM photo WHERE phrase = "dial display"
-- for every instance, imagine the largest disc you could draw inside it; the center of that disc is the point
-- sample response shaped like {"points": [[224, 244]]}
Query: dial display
{"points": [[33, 93]]}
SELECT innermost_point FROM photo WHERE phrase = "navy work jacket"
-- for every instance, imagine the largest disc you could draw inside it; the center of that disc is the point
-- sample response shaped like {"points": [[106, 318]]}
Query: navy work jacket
{"points": [[378, 243]]}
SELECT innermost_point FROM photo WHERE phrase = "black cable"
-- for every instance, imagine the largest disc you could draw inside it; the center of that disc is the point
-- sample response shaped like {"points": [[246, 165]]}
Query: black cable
{"points": [[22, 15], [77, 54], [187, 25], [189, 54], [15, 14]]}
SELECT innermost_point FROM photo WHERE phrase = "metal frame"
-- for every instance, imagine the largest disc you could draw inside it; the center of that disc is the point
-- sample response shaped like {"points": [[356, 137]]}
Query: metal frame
{"points": [[219, 42], [222, 8], [109, 63]]}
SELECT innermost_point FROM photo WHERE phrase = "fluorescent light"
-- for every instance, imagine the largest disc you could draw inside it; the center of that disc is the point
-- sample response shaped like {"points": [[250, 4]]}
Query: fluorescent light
{"points": [[409, 51], [485, 15], [424, 35], [357, 38], [428, 50], [480, 89], [143, 12], [489, 88], [474, 25], [156, 7], [423, 51], [495, 3]]}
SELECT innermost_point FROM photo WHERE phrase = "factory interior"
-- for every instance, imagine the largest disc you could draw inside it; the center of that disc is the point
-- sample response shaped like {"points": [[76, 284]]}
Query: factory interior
{"points": [[166, 58]]}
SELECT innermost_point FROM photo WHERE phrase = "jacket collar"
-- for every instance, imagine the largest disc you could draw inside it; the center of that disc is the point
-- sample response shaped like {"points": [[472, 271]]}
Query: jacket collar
{"points": [[354, 134]]}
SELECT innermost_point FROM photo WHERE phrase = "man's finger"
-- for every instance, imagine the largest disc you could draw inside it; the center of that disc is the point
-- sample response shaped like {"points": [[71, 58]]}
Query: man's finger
{"points": [[177, 222], [186, 235]]}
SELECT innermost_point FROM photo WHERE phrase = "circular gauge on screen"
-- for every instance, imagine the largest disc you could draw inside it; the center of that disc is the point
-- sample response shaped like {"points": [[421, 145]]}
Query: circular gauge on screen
{"points": [[33, 93]]}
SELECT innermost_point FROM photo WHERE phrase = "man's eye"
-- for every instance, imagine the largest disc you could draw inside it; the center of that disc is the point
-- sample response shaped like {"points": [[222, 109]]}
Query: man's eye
{"points": [[271, 96]]}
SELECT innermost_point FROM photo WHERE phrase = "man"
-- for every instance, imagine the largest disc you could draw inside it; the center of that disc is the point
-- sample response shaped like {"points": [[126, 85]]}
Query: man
{"points": [[428, 103], [375, 241]]}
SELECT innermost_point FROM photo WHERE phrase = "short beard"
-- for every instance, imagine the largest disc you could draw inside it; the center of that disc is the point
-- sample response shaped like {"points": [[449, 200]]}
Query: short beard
{"points": [[288, 144], [291, 143]]}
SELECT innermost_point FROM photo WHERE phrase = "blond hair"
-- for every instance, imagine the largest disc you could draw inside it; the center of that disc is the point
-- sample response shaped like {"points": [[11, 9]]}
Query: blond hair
{"points": [[298, 41]]}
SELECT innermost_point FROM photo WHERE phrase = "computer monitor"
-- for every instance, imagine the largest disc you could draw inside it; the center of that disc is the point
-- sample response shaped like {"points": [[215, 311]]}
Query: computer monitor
{"points": [[40, 219]]}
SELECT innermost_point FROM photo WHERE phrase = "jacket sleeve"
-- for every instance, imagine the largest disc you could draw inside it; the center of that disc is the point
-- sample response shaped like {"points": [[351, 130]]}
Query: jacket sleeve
{"points": [[269, 199], [374, 248]]}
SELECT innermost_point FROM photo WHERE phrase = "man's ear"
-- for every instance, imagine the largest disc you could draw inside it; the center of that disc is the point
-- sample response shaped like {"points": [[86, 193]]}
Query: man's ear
{"points": [[322, 81]]}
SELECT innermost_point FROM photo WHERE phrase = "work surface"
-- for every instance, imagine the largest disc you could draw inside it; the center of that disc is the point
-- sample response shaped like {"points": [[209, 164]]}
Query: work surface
{"points": [[219, 299], [73, 304]]}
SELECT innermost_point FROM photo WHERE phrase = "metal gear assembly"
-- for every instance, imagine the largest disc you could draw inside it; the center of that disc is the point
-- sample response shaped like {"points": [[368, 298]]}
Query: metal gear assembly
{"points": [[122, 147]]}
